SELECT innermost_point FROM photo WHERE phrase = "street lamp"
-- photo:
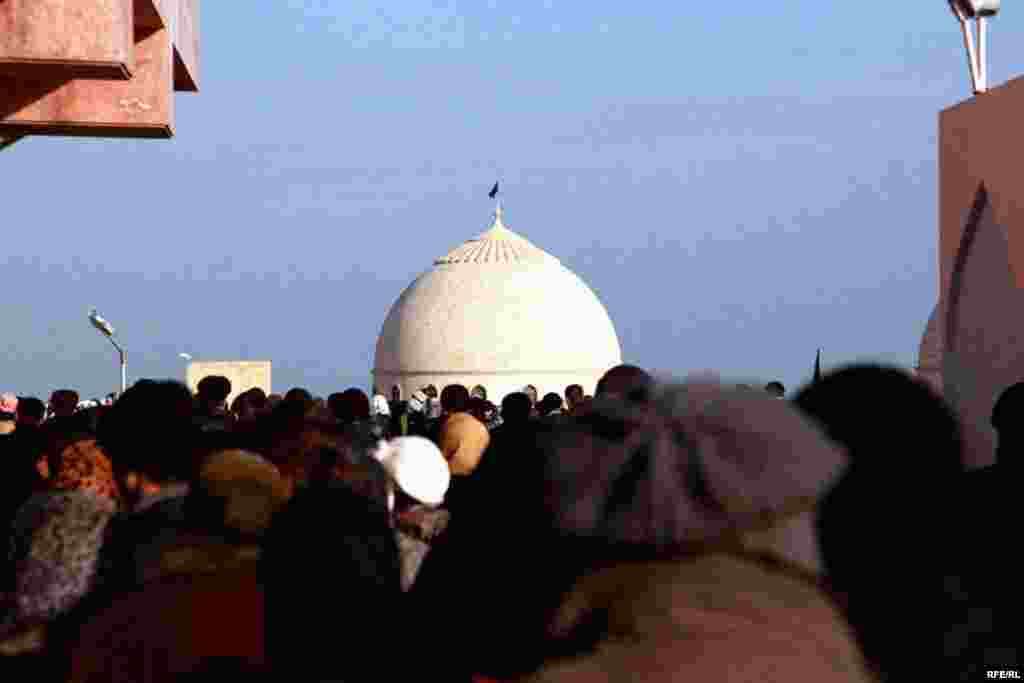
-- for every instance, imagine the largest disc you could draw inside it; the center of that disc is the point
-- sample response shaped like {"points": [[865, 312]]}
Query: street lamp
{"points": [[107, 330], [977, 58]]}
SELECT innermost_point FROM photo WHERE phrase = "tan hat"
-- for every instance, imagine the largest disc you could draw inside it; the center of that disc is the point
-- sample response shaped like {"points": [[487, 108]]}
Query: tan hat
{"points": [[252, 487], [463, 442]]}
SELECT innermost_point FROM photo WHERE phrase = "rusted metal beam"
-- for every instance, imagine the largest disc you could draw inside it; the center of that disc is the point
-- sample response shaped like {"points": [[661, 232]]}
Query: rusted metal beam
{"points": [[142, 107], [59, 100], [42, 39]]}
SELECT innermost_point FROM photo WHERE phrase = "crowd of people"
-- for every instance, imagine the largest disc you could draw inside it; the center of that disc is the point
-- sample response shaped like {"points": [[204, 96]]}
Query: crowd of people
{"points": [[654, 531]]}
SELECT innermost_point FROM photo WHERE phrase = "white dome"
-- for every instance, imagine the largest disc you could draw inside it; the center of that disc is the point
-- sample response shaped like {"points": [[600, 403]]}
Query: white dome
{"points": [[500, 313]]}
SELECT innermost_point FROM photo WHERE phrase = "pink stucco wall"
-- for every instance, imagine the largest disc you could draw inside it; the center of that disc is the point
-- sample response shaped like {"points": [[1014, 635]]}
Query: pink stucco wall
{"points": [[981, 252]]}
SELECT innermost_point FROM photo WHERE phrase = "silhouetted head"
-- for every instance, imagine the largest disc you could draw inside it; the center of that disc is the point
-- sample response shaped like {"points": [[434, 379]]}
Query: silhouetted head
{"points": [[149, 431], [454, 398], [886, 418], [479, 391], [351, 405], [31, 411], [347, 458], [299, 400], [64, 402], [626, 382], [515, 408], [299, 394], [777, 389], [213, 390], [250, 404], [532, 393], [573, 395], [258, 397], [551, 403]]}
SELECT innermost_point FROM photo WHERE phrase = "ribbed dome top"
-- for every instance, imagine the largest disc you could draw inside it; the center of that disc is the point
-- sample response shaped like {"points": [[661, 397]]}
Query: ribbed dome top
{"points": [[499, 312], [497, 245]]}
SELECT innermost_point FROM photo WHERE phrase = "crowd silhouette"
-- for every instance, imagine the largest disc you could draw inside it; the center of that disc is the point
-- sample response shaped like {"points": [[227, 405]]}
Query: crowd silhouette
{"points": [[655, 531]]}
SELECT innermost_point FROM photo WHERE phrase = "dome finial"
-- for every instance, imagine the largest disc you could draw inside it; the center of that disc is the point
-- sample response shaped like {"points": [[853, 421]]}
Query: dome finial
{"points": [[493, 194]]}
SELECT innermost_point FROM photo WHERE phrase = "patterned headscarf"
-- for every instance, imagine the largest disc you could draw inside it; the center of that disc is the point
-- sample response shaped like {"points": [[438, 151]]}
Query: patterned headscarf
{"points": [[82, 466], [55, 544]]}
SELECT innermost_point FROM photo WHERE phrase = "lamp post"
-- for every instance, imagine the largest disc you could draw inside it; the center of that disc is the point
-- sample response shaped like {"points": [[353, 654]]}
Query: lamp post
{"points": [[107, 330], [977, 57]]}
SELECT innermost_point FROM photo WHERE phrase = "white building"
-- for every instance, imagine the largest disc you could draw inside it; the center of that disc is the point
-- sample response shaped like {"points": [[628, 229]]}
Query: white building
{"points": [[500, 313]]}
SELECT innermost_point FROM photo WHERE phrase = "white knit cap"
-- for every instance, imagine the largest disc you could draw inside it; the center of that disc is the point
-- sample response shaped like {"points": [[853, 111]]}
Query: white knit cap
{"points": [[417, 467], [379, 406]]}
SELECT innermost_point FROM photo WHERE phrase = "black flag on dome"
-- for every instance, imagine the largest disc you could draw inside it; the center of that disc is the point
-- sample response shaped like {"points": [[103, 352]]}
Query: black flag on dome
{"points": [[494, 191]]}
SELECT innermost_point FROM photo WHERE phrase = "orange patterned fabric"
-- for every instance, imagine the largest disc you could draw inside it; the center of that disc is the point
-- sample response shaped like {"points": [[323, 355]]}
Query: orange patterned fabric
{"points": [[84, 467]]}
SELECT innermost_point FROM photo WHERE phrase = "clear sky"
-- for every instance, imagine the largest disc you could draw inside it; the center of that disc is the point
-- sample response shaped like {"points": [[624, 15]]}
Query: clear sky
{"points": [[740, 186]]}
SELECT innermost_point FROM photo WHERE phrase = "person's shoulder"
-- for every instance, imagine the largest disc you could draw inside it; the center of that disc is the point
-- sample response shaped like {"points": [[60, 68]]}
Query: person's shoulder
{"points": [[463, 425], [462, 418]]}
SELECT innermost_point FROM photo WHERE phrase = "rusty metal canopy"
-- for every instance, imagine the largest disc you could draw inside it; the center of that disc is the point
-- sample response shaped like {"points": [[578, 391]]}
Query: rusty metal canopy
{"points": [[59, 92]]}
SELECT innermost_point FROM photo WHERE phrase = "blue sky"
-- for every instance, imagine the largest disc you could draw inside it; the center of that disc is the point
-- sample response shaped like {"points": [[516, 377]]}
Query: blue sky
{"points": [[739, 187]]}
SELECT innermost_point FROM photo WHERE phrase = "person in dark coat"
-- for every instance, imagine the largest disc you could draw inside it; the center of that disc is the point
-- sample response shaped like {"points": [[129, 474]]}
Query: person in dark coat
{"points": [[510, 444], [893, 528], [333, 593]]}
